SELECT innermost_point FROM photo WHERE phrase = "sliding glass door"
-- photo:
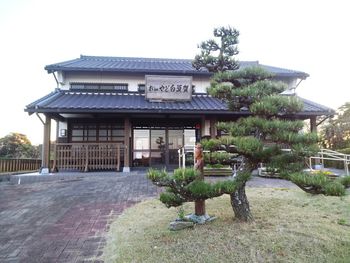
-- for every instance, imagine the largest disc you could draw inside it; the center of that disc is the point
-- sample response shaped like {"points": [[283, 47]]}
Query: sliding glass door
{"points": [[158, 147], [141, 149], [175, 142]]}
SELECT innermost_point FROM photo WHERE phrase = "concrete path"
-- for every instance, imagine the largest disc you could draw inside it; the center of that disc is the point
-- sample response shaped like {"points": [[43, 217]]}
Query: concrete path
{"points": [[67, 220]]}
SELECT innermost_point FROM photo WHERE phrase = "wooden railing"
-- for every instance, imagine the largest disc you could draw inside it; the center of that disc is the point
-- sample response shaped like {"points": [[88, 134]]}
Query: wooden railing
{"points": [[87, 156], [18, 165]]}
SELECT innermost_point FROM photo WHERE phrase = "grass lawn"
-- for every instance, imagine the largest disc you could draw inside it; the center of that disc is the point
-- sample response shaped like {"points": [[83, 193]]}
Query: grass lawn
{"points": [[289, 226]]}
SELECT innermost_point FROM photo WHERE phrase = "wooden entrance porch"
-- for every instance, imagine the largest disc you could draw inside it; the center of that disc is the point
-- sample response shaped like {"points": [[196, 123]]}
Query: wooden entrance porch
{"points": [[88, 156]]}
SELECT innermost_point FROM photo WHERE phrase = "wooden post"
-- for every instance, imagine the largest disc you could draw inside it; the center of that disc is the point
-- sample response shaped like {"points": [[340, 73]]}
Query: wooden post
{"points": [[313, 127], [86, 168], [54, 157], [202, 126], [199, 206], [45, 163], [127, 128], [118, 157], [213, 132]]}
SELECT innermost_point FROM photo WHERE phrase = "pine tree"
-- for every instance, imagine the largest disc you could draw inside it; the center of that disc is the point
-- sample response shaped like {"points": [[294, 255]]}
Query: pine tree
{"points": [[270, 134], [218, 56]]}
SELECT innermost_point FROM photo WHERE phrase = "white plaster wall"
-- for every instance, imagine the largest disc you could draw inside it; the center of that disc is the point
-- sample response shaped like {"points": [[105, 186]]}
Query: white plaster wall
{"points": [[200, 82], [206, 128], [60, 79], [101, 77], [291, 82]]}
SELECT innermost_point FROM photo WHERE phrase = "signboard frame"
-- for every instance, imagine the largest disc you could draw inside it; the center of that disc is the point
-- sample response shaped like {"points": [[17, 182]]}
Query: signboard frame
{"points": [[165, 88]]}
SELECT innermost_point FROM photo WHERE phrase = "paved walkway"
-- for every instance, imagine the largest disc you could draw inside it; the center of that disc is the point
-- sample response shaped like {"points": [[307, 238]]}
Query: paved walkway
{"points": [[64, 221], [67, 220]]}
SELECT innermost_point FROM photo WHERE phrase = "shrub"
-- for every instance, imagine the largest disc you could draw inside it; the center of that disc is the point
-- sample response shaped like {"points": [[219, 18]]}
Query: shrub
{"points": [[334, 188], [325, 173], [216, 166], [345, 180], [221, 157], [218, 158], [345, 150]]}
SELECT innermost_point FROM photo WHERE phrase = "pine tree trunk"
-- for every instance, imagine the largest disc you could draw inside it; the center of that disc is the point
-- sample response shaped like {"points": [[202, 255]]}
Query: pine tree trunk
{"points": [[199, 208], [240, 205], [199, 205]]}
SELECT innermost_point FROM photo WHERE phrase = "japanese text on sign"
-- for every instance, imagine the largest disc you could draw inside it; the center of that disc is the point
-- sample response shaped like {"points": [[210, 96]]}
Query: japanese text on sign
{"points": [[168, 87]]}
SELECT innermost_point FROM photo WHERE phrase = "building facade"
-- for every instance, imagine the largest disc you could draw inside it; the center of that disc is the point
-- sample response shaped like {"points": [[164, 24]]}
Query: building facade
{"points": [[121, 113]]}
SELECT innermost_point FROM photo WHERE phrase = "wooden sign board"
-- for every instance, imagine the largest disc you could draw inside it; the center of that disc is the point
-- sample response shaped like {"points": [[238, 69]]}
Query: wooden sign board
{"points": [[178, 88]]}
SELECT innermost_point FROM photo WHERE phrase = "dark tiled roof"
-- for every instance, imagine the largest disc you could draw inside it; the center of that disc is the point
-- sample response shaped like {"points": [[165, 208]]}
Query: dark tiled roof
{"points": [[310, 106], [69, 102], [152, 65]]}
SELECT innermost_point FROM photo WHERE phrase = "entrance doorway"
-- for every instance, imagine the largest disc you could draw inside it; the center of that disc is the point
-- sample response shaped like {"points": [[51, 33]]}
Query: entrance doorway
{"points": [[158, 146]]}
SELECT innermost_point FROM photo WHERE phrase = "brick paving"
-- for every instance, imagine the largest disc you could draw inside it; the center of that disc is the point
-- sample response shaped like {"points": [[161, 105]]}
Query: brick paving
{"points": [[65, 221]]}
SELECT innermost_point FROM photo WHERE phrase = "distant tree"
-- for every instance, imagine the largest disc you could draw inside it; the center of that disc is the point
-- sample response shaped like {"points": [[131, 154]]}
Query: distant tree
{"points": [[336, 132], [17, 145], [217, 56]]}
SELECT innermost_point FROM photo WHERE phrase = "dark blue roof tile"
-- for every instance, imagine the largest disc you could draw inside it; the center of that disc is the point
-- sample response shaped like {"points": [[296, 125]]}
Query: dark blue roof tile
{"points": [[152, 65], [68, 102]]}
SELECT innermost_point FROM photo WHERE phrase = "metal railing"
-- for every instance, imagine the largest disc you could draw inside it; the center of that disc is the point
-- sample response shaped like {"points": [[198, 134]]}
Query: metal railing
{"points": [[325, 154], [19, 165], [87, 156], [182, 152]]}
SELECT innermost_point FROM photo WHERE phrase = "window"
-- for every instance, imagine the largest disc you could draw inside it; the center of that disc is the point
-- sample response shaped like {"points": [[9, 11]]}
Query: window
{"points": [[141, 88], [110, 132], [97, 133], [96, 87]]}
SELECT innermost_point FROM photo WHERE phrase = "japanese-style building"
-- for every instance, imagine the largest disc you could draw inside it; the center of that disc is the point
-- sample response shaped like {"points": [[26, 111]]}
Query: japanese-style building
{"points": [[120, 112]]}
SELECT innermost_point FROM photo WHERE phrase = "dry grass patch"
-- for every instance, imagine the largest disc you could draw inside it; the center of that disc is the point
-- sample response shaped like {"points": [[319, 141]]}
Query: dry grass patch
{"points": [[290, 226]]}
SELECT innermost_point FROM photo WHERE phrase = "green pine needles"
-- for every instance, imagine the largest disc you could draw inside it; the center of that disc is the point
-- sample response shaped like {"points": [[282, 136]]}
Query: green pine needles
{"points": [[320, 183], [184, 186]]}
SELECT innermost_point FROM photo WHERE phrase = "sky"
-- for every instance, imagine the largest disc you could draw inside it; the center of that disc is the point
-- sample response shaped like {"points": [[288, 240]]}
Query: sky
{"points": [[310, 36]]}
